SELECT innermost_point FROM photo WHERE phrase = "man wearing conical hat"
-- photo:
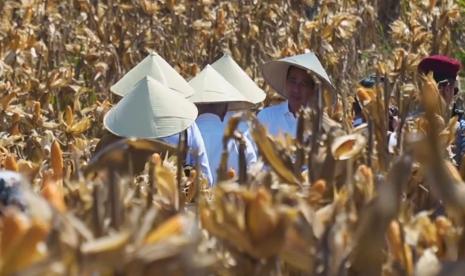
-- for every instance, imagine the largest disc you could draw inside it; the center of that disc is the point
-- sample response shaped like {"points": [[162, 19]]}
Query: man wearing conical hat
{"points": [[237, 77], [213, 96], [154, 66], [157, 68], [147, 111], [294, 79]]}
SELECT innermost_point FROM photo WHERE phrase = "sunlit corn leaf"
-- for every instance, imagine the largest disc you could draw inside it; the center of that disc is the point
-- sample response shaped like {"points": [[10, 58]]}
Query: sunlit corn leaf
{"points": [[266, 148]]}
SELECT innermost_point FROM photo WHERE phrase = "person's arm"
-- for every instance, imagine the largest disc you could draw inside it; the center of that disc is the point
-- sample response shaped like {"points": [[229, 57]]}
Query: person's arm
{"points": [[250, 152], [196, 142]]}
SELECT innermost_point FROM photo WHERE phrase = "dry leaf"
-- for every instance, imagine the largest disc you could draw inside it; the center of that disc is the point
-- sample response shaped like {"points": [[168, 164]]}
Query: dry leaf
{"points": [[57, 160]]}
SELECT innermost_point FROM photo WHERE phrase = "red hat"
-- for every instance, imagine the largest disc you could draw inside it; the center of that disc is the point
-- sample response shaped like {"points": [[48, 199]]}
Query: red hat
{"points": [[443, 67]]}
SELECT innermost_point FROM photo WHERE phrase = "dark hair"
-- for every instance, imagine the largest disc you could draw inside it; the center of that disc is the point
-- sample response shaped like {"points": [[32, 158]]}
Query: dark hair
{"points": [[295, 67], [370, 81]]}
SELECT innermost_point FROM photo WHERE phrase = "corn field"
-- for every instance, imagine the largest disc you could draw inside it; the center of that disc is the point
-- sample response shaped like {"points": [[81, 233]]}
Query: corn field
{"points": [[361, 208]]}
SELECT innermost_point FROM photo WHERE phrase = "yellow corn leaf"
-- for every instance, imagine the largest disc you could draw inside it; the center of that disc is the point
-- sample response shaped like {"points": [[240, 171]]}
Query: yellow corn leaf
{"points": [[171, 227], [80, 126], [261, 218], [68, 116], [166, 183], [431, 99], [268, 152]]}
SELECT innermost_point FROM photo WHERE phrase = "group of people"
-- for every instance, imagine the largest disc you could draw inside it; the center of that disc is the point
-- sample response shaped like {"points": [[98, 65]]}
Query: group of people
{"points": [[158, 103]]}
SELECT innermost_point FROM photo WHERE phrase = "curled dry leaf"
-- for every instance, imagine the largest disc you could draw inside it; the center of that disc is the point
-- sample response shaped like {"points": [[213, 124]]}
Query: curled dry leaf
{"points": [[6, 100], [268, 152], [431, 99], [348, 146], [56, 71], [166, 184], [106, 244], [171, 227], [365, 95], [79, 127], [263, 233]]}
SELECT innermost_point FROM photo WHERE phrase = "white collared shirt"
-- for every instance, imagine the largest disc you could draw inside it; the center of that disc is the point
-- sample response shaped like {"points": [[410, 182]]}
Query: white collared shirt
{"points": [[278, 119], [194, 142], [212, 129]]}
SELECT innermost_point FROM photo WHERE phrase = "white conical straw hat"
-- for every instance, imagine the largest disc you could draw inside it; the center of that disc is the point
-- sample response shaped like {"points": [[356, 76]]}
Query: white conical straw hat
{"points": [[275, 72], [150, 110], [211, 87], [157, 68], [234, 74]]}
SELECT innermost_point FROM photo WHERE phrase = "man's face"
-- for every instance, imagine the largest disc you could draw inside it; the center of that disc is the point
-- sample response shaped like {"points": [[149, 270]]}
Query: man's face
{"points": [[447, 90], [299, 88]]}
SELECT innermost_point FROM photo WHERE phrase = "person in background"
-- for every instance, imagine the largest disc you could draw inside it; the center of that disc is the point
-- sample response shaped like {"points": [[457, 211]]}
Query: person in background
{"points": [[213, 97], [10, 190], [445, 70], [147, 112], [237, 77], [393, 112], [157, 68]]}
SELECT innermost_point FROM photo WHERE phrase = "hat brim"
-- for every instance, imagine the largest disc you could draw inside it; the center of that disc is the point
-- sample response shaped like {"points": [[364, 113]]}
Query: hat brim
{"points": [[212, 88], [150, 111], [166, 128], [275, 74]]}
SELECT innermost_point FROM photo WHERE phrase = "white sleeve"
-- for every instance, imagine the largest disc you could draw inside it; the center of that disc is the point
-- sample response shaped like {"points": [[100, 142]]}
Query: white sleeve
{"points": [[195, 142], [233, 157], [250, 151]]}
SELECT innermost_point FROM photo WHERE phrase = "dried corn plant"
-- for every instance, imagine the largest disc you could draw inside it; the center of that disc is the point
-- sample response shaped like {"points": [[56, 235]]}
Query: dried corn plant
{"points": [[357, 208]]}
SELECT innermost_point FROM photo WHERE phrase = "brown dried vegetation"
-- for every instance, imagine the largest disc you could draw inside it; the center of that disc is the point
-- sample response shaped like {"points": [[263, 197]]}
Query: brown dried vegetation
{"points": [[367, 212]]}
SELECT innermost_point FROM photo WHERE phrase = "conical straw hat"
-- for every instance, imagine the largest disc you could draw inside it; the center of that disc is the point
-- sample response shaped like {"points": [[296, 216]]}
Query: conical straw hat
{"points": [[157, 68], [234, 74], [275, 72], [150, 110], [211, 87]]}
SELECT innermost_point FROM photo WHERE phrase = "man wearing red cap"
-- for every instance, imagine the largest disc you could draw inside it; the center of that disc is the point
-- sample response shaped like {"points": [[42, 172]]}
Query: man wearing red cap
{"points": [[445, 71]]}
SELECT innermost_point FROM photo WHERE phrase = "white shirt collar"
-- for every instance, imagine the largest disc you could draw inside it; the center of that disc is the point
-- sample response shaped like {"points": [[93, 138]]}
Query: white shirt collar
{"points": [[284, 107]]}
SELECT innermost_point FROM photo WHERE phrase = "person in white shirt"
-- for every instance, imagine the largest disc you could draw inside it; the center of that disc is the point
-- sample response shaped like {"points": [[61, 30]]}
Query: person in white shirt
{"points": [[292, 77], [196, 150], [147, 112], [155, 67], [238, 78], [213, 95]]}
